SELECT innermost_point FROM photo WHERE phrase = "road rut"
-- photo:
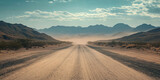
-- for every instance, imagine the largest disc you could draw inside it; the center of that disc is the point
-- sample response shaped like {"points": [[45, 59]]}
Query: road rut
{"points": [[78, 62]]}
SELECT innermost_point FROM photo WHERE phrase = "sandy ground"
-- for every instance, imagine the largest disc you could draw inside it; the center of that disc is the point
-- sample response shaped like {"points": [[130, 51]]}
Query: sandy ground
{"points": [[146, 55], [79, 39], [78, 62], [11, 54], [11, 61]]}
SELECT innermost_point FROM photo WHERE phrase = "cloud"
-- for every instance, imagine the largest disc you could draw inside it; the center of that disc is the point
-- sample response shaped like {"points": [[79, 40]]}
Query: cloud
{"points": [[28, 1], [63, 1], [50, 2], [65, 16], [147, 8], [144, 8], [150, 8]]}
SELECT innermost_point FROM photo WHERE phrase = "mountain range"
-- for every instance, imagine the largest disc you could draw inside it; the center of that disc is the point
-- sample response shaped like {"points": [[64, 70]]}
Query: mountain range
{"points": [[148, 36], [18, 31], [96, 29], [144, 32]]}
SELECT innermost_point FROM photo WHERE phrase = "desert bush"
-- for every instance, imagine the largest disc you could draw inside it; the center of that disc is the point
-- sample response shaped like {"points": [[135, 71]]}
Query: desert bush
{"points": [[11, 45], [155, 44], [135, 44], [14, 45], [26, 43]]}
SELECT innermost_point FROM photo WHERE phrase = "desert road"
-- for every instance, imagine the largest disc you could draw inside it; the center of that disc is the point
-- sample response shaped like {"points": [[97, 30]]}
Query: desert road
{"points": [[78, 62]]}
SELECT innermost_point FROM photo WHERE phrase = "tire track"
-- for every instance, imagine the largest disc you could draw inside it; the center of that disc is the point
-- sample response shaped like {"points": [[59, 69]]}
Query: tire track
{"points": [[77, 74], [55, 69], [77, 63], [108, 70], [97, 69], [148, 68], [99, 64]]}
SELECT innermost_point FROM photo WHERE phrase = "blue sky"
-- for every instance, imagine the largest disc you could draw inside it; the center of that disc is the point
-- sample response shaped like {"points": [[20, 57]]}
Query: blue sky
{"points": [[46, 13]]}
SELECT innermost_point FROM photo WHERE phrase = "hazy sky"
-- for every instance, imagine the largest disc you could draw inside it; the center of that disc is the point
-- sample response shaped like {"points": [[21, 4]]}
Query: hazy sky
{"points": [[47, 13]]}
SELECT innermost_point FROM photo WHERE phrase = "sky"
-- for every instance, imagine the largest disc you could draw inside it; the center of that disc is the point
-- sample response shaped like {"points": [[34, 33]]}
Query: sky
{"points": [[46, 13]]}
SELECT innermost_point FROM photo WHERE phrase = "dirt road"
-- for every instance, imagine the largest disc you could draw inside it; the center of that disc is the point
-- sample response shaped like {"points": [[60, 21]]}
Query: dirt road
{"points": [[78, 62]]}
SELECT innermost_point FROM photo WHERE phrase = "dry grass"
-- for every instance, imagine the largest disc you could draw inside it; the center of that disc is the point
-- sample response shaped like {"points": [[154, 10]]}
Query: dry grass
{"points": [[155, 46], [26, 43]]}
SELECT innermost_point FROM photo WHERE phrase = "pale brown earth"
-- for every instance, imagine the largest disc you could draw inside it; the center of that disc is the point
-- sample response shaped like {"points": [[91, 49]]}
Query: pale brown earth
{"points": [[79, 39], [147, 55], [11, 61], [78, 62], [11, 54]]}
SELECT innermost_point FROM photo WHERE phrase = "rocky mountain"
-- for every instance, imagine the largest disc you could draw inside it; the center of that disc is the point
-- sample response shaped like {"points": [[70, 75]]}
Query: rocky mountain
{"points": [[149, 36], [121, 27], [144, 27], [96, 29], [92, 29], [18, 31]]}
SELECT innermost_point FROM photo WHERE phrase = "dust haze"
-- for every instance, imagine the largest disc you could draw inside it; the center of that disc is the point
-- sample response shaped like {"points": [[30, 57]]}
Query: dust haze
{"points": [[83, 38]]}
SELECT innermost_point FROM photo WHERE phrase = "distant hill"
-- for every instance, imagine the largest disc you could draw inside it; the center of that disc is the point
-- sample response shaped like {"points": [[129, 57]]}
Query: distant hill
{"points": [[122, 34], [149, 36], [95, 29], [92, 29], [18, 31], [144, 27], [121, 27]]}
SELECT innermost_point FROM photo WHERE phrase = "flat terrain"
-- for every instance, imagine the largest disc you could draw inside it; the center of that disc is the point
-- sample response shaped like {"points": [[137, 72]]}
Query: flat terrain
{"points": [[77, 62], [146, 55]]}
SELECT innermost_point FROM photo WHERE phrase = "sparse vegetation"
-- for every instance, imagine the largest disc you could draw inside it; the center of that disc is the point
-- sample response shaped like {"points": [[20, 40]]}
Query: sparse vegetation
{"points": [[155, 46], [26, 43], [16, 36]]}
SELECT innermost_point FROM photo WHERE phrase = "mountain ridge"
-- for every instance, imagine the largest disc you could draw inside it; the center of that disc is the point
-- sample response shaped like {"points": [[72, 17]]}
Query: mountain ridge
{"points": [[10, 31], [96, 29], [148, 36], [144, 27]]}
